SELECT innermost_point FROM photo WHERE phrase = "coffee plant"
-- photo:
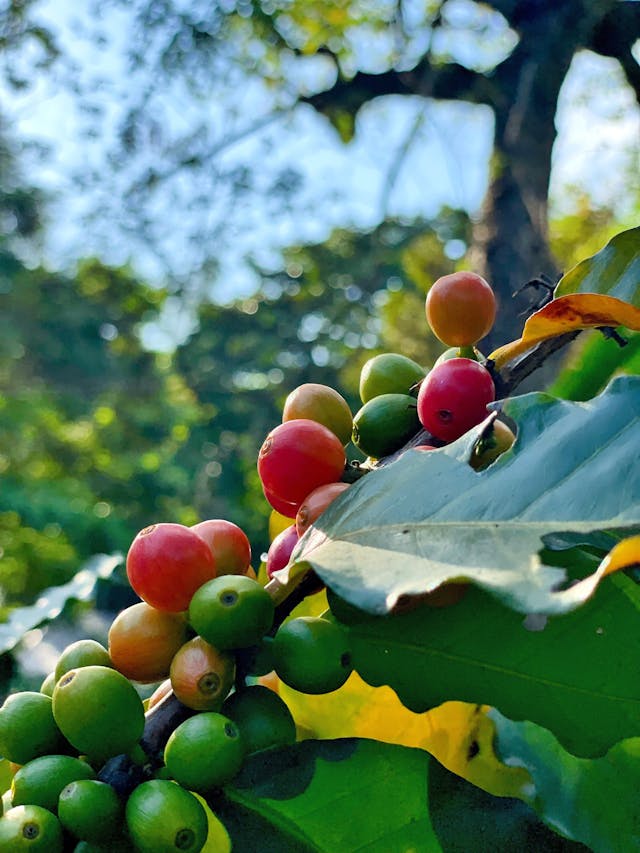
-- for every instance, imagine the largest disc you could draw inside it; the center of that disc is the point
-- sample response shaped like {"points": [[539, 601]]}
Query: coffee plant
{"points": [[441, 651]]}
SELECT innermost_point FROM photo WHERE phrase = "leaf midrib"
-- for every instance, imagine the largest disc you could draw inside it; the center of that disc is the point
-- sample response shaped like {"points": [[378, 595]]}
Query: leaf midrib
{"points": [[415, 647], [557, 527]]}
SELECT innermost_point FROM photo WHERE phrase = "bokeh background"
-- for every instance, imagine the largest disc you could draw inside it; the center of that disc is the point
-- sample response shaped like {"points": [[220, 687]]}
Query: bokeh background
{"points": [[204, 205]]}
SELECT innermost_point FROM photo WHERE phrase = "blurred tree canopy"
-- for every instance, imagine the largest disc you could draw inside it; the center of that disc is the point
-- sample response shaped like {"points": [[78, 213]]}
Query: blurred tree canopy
{"points": [[333, 306], [520, 83], [90, 422], [99, 436], [507, 57]]}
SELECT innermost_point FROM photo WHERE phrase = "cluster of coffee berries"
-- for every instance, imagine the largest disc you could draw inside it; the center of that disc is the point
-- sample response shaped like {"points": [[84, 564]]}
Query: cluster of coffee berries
{"points": [[400, 398], [302, 462], [205, 628], [460, 310], [203, 632]]}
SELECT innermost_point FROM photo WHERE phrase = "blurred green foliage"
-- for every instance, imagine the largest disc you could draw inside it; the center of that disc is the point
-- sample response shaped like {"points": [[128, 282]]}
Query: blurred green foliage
{"points": [[90, 421], [100, 437], [331, 307]]}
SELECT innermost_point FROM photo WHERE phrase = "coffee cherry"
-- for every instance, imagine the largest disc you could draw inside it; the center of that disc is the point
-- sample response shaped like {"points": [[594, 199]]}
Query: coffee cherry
{"points": [[167, 563], [454, 397], [385, 423], [40, 781], [231, 612], [286, 509], [163, 817], [262, 716], [204, 752], [312, 654], [91, 810], [492, 445], [27, 727], [388, 373], [143, 641], [99, 711], [201, 675], [81, 653], [30, 827], [281, 549], [162, 690], [320, 403], [229, 545], [315, 504], [460, 308], [297, 457]]}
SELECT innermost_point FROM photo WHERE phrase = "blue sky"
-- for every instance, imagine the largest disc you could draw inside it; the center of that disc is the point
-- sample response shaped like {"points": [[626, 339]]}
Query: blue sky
{"points": [[598, 141]]}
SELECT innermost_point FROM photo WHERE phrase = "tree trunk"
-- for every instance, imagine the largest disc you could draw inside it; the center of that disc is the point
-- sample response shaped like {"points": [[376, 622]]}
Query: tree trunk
{"points": [[509, 250], [510, 240], [511, 244]]}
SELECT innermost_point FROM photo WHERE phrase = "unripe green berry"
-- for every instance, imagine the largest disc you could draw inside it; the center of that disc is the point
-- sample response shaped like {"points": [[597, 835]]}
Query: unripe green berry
{"points": [[312, 654]]}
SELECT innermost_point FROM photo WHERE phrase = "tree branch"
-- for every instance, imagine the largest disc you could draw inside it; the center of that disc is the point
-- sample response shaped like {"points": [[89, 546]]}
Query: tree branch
{"points": [[450, 81], [632, 71], [616, 34]]}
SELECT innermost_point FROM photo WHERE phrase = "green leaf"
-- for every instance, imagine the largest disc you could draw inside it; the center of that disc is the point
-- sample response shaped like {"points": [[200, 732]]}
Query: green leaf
{"points": [[614, 270], [352, 795], [466, 819], [592, 365], [52, 600], [594, 801], [573, 677], [428, 518]]}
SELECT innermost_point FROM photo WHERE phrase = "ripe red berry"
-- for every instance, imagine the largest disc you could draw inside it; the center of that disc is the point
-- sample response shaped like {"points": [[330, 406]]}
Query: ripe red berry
{"points": [[284, 508], [281, 549], [315, 504], [454, 397], [460, 308], [167, 563], [297, 457], [229, 544]]}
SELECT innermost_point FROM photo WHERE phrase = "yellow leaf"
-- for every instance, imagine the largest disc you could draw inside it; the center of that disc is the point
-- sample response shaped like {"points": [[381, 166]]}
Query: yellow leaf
{"points": [[459, 735], [278, 523], [568, 314], [624, 555], [218, 840]]}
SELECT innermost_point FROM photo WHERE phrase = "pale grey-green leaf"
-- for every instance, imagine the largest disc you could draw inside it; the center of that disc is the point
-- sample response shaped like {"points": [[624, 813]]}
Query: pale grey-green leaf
{"points": [[428, 518], [52, 600]]}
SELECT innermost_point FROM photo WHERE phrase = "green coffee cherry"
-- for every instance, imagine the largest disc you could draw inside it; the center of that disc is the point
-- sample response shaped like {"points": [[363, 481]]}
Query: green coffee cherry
{"points": [[231, 612], [385, 423], [204, 752], [91, 810], [388, 373], [312, 654], [261, 715], [32, 828], [162, 816], [28, 729], [39, 782], [81, 653]]}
